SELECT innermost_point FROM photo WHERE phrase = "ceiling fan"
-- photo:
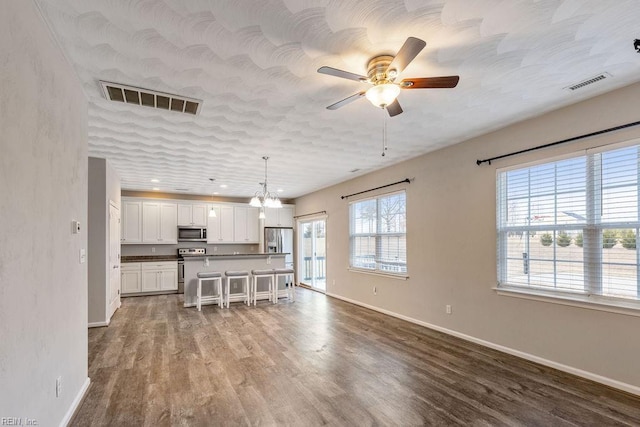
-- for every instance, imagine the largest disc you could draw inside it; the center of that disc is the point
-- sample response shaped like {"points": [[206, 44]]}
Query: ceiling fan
{"points": [[382, 72]]}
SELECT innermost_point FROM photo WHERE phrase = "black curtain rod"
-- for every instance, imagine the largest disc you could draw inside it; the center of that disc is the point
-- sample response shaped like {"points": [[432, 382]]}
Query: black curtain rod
{"points": [[312, 213], [575, 138], [407, 180]]}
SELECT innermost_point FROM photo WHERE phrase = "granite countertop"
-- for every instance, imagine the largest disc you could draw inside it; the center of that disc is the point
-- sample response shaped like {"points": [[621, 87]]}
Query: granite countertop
{"points": [[148, 258], [248, 255]]}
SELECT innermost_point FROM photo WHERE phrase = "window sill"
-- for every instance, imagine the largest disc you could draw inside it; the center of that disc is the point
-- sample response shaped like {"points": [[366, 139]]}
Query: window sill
{"points": [[629, 308], [378, 273]]}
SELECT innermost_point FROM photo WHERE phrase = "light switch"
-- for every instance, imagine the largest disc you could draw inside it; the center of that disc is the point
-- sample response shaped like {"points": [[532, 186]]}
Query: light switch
{"points": [[83, 256], [75, 227]]}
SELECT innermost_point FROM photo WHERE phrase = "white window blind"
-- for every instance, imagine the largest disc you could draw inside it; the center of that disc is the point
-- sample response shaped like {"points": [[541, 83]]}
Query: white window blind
{"points": [[378, 234], [570, 225]]}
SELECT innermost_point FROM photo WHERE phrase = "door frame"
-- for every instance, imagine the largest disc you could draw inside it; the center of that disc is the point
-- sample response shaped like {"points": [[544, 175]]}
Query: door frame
{"points": [[299, 248]]}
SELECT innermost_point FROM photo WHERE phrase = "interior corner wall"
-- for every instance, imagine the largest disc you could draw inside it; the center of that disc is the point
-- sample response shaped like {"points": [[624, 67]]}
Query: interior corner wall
{"points": [[43, 188], [451, 245], [103, 189], [97, 229]]}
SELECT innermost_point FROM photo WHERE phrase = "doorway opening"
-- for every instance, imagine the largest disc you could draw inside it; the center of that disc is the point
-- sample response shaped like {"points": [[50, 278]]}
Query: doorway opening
{"points": [[312, 254]]}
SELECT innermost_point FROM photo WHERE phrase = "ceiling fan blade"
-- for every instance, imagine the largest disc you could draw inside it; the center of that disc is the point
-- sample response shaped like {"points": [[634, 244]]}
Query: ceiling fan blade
{"points": [[394, 108], [447, 82], [409, 50], [340, 73], [345, 101]]}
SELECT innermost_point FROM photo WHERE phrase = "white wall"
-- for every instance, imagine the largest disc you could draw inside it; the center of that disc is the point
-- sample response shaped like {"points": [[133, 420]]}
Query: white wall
{"points": [[103, 188], [452, 245], [43, 187]]}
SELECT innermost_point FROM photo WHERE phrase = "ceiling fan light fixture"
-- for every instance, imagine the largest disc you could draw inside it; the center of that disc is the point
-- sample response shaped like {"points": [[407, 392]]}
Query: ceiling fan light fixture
{"points": [[383, 94]]}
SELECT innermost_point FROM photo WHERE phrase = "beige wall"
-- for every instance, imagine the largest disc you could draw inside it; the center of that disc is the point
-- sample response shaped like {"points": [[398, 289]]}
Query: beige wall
{"points": [[43, 188], [452, 245]]}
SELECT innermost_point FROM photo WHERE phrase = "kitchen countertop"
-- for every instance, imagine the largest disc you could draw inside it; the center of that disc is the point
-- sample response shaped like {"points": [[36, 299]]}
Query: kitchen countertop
{"points": [[157, 258], [148, 258], [249, 255]]}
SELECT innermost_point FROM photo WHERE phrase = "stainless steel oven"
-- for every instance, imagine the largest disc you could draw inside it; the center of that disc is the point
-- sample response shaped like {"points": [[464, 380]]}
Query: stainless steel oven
{"points": [[182, 252]]}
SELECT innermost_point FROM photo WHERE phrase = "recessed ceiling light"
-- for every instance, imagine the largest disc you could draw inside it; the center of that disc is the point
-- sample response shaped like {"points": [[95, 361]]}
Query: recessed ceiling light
{"points": [[223, 185], [155, 180], [215, 193], [280, 190], [156, 189]]}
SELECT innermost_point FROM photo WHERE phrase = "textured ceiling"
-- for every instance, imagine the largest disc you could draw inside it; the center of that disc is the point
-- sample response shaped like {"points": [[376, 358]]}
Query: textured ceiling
{"points": [[254, 62]]}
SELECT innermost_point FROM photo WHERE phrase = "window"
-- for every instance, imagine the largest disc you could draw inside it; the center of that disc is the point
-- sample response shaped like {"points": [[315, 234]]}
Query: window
{"points": [[377, 234], [569, 226]]}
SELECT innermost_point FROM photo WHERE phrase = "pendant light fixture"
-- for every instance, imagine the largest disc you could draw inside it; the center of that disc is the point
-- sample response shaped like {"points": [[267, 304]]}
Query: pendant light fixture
{"points": [[212, 211], [264, 199]]}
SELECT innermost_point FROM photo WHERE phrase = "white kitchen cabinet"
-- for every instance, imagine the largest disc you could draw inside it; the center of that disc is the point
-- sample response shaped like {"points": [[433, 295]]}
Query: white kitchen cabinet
{"points": [[131, 229], [159, 223], [220, 229], [192, 214], [246, 224], [130, 278], [159, 276], [279, 217]]}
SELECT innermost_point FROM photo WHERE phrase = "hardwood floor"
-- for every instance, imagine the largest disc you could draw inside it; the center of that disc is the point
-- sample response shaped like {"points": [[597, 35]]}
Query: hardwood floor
{"points": [[319, 361]]}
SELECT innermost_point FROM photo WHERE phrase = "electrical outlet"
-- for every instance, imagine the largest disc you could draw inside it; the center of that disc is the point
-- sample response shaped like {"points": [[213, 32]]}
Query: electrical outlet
{"points": [[153, 250], [333, 282], [375, 290], [206, 262], [448, 309], [58, 386], [215, 249]]}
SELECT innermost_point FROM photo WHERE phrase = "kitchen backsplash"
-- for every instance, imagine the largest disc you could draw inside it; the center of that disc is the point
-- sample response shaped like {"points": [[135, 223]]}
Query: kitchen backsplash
{"points": [[136, 250]]}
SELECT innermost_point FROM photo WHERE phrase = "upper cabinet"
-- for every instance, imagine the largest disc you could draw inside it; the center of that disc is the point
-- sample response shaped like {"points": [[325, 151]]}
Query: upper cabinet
{"points": [[220, 228], [156, 221], [246, 224], [192, 214], [131, 229], [159, 223], [278, 217]]}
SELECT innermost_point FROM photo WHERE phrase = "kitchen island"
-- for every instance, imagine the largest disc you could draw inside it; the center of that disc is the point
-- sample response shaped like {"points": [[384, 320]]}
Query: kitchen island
{"points": [[194, 264]]}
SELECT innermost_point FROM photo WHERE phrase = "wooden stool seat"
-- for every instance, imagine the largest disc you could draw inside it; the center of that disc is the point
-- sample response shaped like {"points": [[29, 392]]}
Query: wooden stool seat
{"points": [[216, 277], [244, 294], [256, 274], [289, 284]]}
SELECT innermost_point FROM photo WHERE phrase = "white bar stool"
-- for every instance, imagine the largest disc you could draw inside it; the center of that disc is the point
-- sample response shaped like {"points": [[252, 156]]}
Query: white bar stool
{"points": [[257, 274], [244, 294], [289, 284], [215, 277]]}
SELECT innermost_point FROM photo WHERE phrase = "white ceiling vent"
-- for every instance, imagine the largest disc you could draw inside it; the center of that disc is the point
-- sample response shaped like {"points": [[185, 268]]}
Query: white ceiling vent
{"points": [[588, 81], [149, 98]]}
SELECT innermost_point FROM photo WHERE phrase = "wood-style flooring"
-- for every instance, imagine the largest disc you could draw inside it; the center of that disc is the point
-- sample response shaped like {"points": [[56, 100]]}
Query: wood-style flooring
{"points": [[319, 361]]}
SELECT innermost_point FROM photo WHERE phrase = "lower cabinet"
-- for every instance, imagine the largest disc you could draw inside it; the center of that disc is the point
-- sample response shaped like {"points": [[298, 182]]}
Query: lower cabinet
{"points": [[131, 281], [150, 277]]}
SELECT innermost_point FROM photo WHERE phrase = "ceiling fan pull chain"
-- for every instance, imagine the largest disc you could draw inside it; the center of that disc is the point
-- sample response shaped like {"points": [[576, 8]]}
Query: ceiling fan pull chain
{"points": [[384, 132]]}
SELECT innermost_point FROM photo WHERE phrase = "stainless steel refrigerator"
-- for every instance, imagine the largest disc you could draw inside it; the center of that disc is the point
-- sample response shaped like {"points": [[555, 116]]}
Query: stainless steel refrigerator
{"points": [[280, 239]]}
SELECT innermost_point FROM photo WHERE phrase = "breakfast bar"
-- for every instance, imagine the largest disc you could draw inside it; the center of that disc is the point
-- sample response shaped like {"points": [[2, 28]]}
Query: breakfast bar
{"points": [[195, 264]]}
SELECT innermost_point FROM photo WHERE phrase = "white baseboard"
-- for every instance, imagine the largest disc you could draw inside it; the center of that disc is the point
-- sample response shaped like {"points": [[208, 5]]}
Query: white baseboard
{"points": [[98, 324], [76, 403], [629, 388]]}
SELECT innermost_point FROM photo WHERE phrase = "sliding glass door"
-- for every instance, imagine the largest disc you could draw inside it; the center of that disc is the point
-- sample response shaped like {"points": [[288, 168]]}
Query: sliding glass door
{"points": [[312, 253]]}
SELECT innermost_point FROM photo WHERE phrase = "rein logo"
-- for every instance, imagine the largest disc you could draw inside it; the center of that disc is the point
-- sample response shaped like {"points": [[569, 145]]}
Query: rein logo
{"points": [[17, 421]]}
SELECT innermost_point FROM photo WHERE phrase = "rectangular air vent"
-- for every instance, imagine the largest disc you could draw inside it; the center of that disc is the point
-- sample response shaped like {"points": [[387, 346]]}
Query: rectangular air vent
{"points": [[588, 82], [150, 98]]}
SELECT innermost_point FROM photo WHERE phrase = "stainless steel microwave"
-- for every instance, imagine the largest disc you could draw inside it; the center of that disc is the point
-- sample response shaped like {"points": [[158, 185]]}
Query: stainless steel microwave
{"points": [[192, 234]]}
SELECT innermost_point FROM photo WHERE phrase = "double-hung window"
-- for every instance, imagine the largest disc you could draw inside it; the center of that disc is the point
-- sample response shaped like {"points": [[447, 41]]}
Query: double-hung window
{"points": [[377, 234], [568, 227]]}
